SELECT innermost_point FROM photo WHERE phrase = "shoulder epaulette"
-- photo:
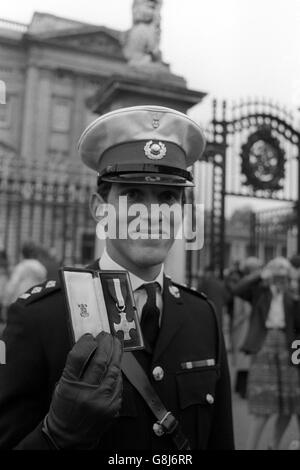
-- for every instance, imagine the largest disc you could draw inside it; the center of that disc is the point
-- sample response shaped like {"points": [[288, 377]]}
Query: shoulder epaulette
{"points": [[39, 291]]}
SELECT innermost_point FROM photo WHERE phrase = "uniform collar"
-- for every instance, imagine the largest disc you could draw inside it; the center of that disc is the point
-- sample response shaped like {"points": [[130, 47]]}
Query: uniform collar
{"points": [[107, 263]]}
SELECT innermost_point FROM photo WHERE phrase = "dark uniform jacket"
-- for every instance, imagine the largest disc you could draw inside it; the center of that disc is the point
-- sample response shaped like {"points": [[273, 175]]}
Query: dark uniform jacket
{"points": [[253, 290], [38, 342]]}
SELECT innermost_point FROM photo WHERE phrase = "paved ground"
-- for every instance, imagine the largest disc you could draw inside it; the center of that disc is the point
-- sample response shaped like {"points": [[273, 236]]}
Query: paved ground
{"points": [[241, 425], [242, 422]]}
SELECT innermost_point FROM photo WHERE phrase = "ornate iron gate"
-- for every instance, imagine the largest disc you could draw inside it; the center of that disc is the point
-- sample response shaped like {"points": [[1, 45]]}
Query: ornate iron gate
{"points": [[253, 151], [275, 232]]}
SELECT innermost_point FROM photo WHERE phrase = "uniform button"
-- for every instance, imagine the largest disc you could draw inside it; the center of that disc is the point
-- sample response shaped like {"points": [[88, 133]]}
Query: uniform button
{"points": [[158, 373], [210, 399]]}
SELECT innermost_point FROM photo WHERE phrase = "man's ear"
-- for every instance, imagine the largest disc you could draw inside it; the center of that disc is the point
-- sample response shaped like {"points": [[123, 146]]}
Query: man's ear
{"points": [[96, 201]]}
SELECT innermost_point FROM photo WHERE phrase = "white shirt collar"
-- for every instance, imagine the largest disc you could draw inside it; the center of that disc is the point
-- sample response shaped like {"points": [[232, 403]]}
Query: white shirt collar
{"points": [[275, 292], [107, 263]]}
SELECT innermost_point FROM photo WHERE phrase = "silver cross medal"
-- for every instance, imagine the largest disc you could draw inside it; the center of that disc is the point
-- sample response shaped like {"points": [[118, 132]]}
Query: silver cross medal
{"points": [[124, 324]]}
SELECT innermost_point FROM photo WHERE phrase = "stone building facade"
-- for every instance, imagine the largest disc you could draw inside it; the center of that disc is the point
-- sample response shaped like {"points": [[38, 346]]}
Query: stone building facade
{"points": [[50, 68]]}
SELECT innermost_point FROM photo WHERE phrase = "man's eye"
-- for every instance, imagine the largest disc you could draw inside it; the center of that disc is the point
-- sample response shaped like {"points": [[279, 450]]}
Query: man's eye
{"points": [[133, 194], [170, 197]]}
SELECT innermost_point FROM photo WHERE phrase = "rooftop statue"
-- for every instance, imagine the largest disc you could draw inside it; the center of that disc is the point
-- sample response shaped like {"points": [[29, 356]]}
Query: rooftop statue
{"points": [[142, 42]]}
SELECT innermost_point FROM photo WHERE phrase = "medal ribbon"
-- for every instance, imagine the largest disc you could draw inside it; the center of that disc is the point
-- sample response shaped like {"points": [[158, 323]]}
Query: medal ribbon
{"points": [[118, 294]]}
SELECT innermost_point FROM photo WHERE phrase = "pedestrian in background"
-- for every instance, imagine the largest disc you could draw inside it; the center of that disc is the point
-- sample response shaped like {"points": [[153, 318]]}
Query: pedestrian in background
{"points": [[295, 278], [273, 384], [232, 276], [49, 262], [3, 281], [241, 313], [29, 272], [215, 289]]}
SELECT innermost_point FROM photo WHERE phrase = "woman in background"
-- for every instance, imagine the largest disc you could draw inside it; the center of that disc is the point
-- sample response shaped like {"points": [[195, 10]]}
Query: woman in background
{"points": [[273, 383], [29, 272]]}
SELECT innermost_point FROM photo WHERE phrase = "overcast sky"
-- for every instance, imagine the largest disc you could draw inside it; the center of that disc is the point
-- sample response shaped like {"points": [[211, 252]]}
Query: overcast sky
{"points": [[229, 48]]}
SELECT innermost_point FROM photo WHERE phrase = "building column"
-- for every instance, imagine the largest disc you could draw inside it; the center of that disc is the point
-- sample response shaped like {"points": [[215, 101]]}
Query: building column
{"points": [[78, 116], [43, 116], [29, 113]]}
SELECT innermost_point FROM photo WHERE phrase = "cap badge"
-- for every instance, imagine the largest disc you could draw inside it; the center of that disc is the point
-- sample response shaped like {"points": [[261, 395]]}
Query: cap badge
{"points": [[155, 150], [152, 179]]}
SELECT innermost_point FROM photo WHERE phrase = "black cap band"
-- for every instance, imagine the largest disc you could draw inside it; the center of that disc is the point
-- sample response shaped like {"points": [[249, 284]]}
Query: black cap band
{"points": [[146, 174], [121, 168]]}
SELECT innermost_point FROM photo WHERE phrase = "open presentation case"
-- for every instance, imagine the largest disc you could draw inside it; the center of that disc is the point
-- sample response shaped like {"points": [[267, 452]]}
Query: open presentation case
{"points": [[101, 301]]}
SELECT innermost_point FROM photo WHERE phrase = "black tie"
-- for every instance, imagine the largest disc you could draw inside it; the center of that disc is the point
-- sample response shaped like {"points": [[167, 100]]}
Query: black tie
{"points": [[150, 315]]}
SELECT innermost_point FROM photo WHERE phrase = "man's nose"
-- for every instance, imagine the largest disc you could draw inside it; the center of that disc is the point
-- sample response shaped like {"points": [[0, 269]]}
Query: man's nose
{"points": [[150, 203], [150, 199]]}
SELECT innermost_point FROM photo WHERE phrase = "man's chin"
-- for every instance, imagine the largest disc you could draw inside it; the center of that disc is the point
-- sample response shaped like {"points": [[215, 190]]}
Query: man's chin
{"points": [[142, 253], [153, 244], [150, 252]]}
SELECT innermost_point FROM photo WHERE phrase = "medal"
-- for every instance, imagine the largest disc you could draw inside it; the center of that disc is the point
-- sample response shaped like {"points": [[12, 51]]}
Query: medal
{"points": [[125, 326], [121, 309]]}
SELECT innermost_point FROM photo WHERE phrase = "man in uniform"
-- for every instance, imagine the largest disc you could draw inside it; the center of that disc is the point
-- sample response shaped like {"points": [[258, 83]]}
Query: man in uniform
{"points": [[57, 396]]}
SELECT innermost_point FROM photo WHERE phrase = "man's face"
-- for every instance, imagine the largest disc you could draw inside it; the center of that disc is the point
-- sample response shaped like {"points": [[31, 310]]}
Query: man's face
{"points": [[147, 251], [280, 281]]}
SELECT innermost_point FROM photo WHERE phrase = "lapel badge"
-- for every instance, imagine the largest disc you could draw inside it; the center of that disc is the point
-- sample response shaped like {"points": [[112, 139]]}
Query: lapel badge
{"points": [[155, 150], [174, 291]]}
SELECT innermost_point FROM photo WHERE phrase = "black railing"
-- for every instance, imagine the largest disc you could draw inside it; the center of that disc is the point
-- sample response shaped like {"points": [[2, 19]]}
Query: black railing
{"points": [[48, 204]]}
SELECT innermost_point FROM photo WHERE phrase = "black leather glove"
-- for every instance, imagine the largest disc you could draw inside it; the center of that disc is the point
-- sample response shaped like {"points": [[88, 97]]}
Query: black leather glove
{"points": [[88, 395]]}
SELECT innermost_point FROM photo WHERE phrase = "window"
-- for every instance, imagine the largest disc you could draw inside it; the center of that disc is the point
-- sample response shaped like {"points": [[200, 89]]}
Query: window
{"points": [[269, 252], [250, 249], [61, 115], [284, 251], [5, 114]]}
